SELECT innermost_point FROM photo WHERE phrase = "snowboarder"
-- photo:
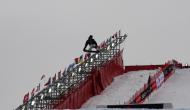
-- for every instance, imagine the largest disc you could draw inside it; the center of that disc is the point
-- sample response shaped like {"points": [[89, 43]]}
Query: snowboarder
{"points": [[92, 45]]}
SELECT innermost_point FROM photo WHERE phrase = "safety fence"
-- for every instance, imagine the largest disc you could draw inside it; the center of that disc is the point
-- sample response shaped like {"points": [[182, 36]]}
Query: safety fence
{"points": [[96, 82], [151, 67], [154, 82], [142, 67]]}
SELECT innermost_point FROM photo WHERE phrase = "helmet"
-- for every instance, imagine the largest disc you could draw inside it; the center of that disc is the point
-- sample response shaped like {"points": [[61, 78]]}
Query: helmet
{"points": [[90, 37]]}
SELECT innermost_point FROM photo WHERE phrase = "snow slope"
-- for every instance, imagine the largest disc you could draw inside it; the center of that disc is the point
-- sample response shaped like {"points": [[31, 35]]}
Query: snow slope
{"points": [[175, 90], [121, 89]]}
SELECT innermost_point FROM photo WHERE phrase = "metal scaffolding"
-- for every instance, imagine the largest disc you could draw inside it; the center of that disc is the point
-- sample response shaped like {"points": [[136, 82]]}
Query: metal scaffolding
{"points": [[72, 79]]}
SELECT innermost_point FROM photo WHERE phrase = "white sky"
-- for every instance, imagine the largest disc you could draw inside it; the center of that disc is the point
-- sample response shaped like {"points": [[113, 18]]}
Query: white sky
{"points": [[42, 36]]}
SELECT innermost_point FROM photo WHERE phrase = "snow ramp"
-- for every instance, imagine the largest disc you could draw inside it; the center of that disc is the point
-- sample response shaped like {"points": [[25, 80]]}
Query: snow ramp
{"points": [[121, 89]]}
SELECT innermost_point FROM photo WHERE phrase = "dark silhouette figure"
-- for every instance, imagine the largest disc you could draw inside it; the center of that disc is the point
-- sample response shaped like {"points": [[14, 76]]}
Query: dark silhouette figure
{"points": [[149, 88], [149, 80], [92, 44]]}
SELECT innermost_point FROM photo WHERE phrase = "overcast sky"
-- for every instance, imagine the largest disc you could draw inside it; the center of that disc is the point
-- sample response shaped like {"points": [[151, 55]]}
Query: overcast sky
{"points": [[42, 36]]}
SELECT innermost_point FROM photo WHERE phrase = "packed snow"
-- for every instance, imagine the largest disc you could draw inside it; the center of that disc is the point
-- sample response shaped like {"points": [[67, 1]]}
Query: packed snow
{"points": [[121, 89], [175, 90]]}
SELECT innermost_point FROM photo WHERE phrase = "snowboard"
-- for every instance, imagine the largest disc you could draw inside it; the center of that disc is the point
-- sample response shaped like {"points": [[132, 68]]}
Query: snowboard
{"points": [[92, 51]]}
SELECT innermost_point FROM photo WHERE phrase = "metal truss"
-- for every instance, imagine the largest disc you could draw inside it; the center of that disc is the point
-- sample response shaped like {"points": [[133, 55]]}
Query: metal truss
{"points": [[71, 80]]}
